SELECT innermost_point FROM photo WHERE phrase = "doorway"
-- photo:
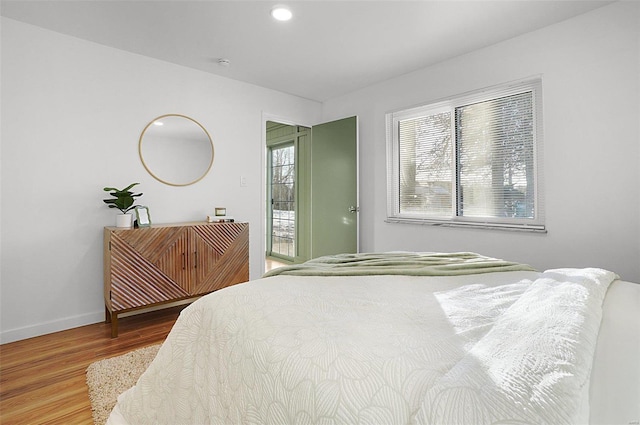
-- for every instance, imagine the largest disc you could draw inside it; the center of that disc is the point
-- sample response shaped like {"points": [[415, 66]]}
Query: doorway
{"points": [[311, 191], [287, 186]]}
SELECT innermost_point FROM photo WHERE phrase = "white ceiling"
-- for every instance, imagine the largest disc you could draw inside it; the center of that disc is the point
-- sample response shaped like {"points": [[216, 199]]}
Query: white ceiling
{"points": [[328, 49]]}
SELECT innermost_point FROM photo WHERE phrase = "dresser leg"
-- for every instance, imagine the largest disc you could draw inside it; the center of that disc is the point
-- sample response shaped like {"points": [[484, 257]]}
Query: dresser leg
{"points": [[114, 325], [111, 317]]}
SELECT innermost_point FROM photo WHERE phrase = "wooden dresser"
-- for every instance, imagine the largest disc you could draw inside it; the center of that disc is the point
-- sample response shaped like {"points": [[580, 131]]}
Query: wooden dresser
{"points": [[161, 264]]}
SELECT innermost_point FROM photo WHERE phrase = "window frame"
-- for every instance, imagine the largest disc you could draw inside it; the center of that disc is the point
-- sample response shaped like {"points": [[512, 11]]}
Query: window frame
{"points": [[289, 140], [536, 224]]}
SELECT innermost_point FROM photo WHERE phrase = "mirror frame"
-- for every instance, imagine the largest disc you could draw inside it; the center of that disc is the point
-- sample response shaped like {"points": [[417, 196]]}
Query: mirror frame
{"points": [[146, 167]]}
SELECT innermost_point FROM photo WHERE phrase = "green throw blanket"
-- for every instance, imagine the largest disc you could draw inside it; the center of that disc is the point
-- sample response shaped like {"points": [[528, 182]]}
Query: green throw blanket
{"points": [[405, 263]]}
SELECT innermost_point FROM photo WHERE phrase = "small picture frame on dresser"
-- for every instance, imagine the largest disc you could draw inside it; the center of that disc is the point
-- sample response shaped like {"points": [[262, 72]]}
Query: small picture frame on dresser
{"points": [[143, 217]]}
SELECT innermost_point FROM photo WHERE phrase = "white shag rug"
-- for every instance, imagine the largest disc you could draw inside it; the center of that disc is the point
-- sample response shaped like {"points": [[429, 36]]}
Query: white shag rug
{"points": [[109, 378]]}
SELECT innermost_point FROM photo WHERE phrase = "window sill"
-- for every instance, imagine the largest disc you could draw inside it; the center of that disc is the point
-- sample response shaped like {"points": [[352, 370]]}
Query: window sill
{"points": [[538, 228]]}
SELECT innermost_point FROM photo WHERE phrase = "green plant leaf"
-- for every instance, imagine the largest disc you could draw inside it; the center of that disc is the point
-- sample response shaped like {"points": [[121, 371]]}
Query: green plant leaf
{"points": [[124, 198], [130, 186]]}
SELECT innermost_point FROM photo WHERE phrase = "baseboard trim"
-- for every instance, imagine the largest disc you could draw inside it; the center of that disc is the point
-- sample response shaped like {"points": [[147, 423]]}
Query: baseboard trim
{"points": [[40, 329]]}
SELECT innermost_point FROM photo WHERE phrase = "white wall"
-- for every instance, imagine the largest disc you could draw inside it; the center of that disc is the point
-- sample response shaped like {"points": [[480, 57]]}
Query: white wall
{"points": [[590, 69], [72, 112]]}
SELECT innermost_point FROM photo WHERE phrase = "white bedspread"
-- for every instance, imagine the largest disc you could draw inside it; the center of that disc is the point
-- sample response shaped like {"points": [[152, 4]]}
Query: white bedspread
{"points": [[511, 347]]}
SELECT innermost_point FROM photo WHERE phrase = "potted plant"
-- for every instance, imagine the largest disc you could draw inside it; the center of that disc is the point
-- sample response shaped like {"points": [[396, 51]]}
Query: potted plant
{"points": [[123, 199]]}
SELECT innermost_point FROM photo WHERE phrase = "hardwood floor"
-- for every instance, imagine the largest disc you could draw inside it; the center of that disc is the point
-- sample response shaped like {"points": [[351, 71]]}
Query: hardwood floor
{"points": [[42, 379], [272, 263]]}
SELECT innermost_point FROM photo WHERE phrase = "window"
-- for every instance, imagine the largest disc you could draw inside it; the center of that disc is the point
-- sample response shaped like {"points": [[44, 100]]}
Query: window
{"points": [[470, 160], [283, 205]]}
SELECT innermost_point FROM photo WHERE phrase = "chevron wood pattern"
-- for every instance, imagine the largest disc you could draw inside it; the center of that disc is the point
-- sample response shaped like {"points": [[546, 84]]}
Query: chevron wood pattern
{"points": [[228, 248], [165, 263]]}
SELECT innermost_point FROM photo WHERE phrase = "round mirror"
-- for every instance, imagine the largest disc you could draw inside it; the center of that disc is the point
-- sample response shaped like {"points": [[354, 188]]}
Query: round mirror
{"points": [[176, 150]]}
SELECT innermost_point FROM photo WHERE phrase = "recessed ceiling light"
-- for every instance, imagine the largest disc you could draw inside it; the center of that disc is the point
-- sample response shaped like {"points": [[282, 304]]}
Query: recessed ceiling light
{"points": [[281, 13]]}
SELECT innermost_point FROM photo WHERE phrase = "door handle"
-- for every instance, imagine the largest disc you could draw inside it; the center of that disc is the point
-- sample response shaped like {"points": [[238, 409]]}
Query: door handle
{"points": [[353, 209]]}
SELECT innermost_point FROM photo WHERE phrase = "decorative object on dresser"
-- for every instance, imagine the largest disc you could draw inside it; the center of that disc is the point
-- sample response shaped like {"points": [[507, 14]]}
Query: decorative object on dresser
{"points": [[124, 200], [220, 216], [161, 264], [219, 219], [143, 218]]}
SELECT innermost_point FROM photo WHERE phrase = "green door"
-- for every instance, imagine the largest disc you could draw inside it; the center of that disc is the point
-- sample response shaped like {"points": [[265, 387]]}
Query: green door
{"points": [[334, 187]]}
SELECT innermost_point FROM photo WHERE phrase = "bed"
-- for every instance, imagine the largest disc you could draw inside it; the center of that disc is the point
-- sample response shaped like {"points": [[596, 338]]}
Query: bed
{"points": [[396, 338]]}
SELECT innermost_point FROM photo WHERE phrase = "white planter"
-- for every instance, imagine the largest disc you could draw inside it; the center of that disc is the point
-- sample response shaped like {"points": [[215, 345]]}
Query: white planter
{"points": [[124, 220]]}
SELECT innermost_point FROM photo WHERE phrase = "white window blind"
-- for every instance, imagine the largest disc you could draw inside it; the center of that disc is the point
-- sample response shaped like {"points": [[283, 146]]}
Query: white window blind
{"points": [[469, 160], [426, 164]]}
